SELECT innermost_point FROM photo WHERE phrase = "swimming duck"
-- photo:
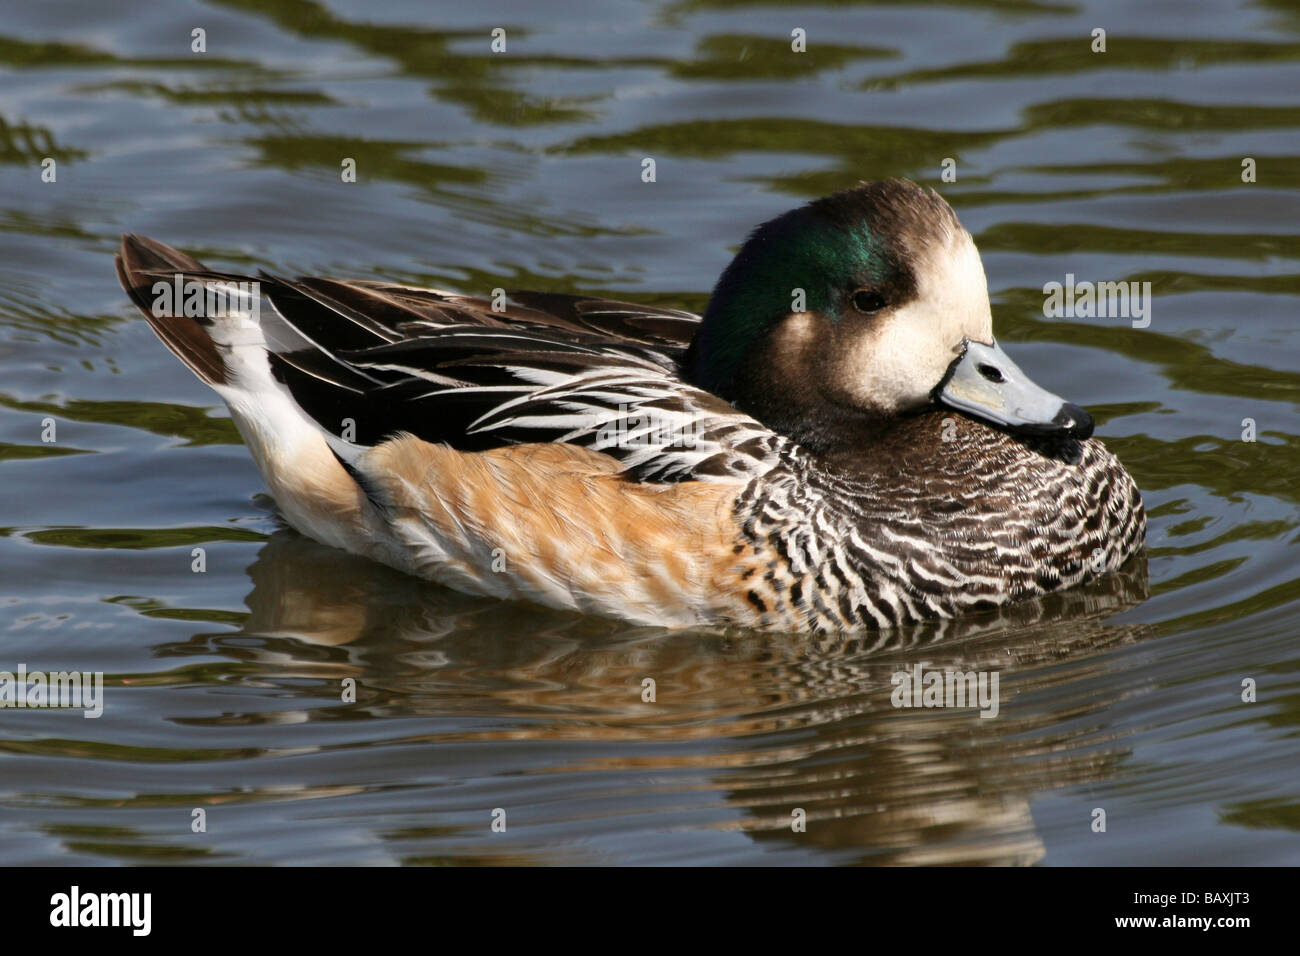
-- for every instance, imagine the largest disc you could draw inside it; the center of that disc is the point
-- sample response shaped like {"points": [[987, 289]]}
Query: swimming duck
{"points": [[839, 443]]}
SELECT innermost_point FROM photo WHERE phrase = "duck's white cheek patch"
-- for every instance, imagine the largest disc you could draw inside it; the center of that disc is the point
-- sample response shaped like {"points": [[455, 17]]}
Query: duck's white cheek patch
{"points": [[899, 366], [904, 363]]}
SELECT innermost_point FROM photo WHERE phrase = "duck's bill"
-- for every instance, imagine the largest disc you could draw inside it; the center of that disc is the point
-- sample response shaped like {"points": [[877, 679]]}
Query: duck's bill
{"points": [[984, 383]]}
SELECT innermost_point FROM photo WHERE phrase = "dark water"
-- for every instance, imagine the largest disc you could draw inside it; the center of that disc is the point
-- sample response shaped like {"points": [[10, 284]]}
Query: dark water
{"points": [[522, 169]]}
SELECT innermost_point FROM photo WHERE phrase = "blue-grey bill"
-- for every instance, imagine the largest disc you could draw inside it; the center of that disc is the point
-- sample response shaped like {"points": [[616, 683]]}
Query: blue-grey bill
{"points": [[984, 383]]}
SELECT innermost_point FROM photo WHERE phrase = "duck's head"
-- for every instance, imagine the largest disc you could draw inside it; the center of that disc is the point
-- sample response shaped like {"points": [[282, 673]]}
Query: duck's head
{"points": [[859, 307]]}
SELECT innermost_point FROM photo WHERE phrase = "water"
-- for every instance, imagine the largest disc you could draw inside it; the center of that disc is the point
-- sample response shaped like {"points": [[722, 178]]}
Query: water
{"points": [[522, 169]]}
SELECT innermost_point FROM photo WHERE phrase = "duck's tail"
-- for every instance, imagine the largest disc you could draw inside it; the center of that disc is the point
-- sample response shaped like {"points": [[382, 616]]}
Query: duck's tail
{"points": [[213, 322], [150, 272]]}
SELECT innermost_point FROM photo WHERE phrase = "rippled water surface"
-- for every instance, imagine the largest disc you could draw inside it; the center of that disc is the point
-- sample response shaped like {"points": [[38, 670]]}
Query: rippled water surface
{"points": [[523, 169]]}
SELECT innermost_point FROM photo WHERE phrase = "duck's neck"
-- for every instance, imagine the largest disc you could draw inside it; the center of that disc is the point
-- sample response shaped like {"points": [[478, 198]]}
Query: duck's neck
{"points": [[839, 436], [774, 387], [930, 445]]}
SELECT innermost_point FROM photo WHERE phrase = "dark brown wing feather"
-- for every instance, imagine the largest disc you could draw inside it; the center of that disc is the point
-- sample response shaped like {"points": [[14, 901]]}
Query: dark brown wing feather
{"points": [[140, 264]]}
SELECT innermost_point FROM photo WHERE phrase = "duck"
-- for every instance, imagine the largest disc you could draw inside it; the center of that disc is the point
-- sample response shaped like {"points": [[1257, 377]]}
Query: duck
{"points": [[839, 443]]}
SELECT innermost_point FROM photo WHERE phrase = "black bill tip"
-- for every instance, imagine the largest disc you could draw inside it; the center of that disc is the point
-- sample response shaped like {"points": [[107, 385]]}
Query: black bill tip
{"points": [[1074, 421]]}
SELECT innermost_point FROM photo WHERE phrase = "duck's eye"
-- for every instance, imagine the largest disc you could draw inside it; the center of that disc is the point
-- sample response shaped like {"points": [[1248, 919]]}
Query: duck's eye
{"points": [[867, 301]]}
